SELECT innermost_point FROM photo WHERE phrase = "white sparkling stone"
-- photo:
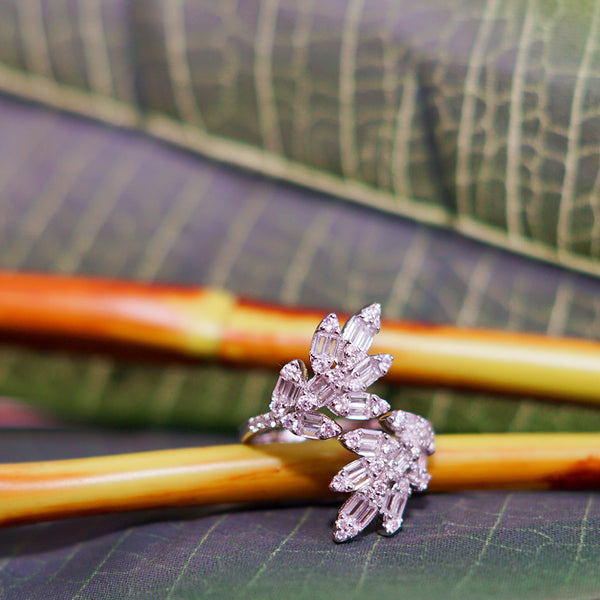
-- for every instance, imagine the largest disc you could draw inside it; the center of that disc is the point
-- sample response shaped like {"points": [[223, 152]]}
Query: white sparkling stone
{"points": [[311, 425], [385, 459], [327, 344], [362, 375], [261, 422], [354, 515], [321, 364], [422, 437], [307, 402], [340, 405], [284, 397], [419, 478], [294, 371], [279, 407], [361, 508], [392, 524], [352, 439], [400, 464], [384, 362], [393, 504], [335, 377], [412, 430], [378, 406], [351, 357], [363, 441], [291, 422], [324, 351], [372, 315], [353, 476], [358, 333], [288, 388], [379, 486], [345, 528], [329, 428], [360, 405], [387, 445], [319, 386], [325, 392], [378, 464], [402, 485], [361, 328], [330, 324]]}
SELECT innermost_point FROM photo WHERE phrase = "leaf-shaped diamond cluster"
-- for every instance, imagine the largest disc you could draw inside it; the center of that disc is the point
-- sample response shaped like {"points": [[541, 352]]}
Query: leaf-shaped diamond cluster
{"points": [[383, 478], [343, 370]]}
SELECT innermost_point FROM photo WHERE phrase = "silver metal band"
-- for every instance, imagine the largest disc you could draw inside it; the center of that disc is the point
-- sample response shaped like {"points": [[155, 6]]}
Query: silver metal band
{"points": [[265, 429]]}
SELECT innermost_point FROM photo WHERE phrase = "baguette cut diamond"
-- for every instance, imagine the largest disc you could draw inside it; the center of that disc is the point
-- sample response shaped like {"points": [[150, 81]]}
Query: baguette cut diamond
{"points": [[323, 390], [354, 515], [392, 507], [353, 476], [359, 334], [360, 405], [394, 502], [311, 425], [327, 343], [362, 327], [288, 388], [362, 441], [369, 370]]}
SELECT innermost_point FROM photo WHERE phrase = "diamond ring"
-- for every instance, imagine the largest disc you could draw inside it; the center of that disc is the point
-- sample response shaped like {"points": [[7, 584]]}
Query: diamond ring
{"points": [[393, 446]]}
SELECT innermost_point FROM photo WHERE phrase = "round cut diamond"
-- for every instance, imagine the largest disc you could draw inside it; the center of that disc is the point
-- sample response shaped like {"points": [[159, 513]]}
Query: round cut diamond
{"points": [[279, 407], [392, 525], [308, 401], [372, 316], [345, 528], [330, 324], [419, 478], [352, 439], [294, 371], [380, 486]]}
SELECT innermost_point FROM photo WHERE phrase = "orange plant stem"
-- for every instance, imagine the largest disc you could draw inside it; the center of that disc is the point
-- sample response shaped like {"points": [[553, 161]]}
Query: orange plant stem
{"points": [[210, 323], [237, 473]]}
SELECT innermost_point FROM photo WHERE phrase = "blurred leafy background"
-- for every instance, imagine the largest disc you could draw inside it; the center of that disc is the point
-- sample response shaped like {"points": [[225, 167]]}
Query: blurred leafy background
{"points": [[439, 157]]}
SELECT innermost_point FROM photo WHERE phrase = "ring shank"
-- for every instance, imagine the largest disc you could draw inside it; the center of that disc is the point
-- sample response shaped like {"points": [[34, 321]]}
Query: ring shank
{"points": [[264, 429]]}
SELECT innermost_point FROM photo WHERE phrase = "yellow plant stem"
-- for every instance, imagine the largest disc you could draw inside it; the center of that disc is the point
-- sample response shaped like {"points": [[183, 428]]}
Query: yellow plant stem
{"points": [[238, 473], [129, 318]]}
